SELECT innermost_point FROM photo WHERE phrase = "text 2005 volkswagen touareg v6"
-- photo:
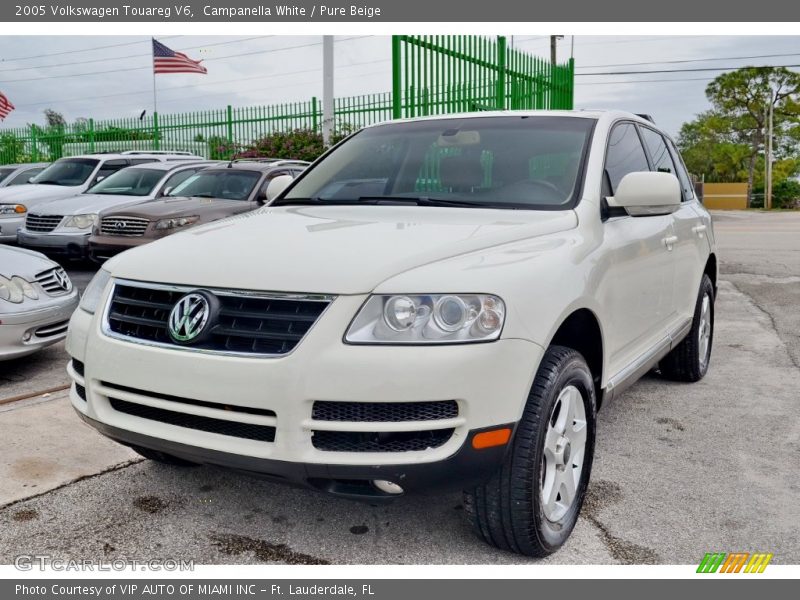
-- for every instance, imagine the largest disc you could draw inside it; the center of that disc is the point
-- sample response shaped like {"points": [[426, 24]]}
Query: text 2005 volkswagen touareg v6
{"points": [[436, 302]]}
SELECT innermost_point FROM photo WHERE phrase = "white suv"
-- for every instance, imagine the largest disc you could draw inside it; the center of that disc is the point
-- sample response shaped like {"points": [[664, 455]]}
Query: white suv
{"points": [[438, 302]]}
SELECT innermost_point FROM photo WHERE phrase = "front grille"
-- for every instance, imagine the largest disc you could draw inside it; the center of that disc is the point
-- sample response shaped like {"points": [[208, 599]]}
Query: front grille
{"points": [[126, 226], [245, 324], [54, 329], [42, 223], [261, 433], [384, 411], [51, 279], [405, 441]]}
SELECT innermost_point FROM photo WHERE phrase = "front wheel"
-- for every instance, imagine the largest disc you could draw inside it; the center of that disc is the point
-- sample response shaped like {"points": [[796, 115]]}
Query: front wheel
{"points": [[689, 360], [531, 505]]}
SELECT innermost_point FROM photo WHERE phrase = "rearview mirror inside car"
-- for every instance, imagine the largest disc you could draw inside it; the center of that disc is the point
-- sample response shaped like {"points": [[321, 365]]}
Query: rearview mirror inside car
{"points": [[647, 193], [277, 185]]}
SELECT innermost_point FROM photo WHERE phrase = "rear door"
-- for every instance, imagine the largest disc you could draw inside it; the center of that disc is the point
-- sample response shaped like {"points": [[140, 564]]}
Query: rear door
{"points": [[639, 269]]}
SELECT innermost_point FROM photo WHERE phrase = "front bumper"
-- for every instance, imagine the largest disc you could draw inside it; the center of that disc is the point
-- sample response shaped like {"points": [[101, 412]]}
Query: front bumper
{"points": [[41, 327], [68, 244], [103, 247], [9, 227], [489, 382]]}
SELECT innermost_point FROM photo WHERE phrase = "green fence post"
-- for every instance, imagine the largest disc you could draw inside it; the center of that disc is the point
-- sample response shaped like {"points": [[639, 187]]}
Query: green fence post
{"points": [[91, 136], [314, 113], [230, 124], [156, 140], [571, 84], [397, 102], [34, 145], [501, 73]]}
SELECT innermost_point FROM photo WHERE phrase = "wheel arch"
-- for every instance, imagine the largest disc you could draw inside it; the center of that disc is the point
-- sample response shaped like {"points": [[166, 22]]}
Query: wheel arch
{"points": [[711, 269]]}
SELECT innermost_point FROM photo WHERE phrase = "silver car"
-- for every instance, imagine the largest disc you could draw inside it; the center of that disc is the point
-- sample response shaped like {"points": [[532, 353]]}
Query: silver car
{"points": [[62, 227], [13, 175], [37, 299]]}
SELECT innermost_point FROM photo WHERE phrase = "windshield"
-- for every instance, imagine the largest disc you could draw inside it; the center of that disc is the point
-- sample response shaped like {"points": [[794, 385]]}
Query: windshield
{"points": [[129, 182], [68, 171], [228, 184], [5, 173], [494, 162]]}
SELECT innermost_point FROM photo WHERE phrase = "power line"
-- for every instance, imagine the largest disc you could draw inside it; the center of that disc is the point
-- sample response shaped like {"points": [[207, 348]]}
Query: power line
{"points": [[107, 59], [697, 70], [149, 66], [637, 81], [85, 49], [690, 60]]}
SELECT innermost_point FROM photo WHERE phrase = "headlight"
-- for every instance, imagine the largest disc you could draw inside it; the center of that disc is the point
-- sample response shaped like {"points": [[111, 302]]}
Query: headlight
{"points": [[94, 291], [80, 221], [428, 319], [12, 209], [16, 289], [176, 222]]}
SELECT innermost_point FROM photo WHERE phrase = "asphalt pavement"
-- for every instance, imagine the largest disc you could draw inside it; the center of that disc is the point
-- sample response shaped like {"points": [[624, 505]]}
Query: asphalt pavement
{"points": [[680, 470]]}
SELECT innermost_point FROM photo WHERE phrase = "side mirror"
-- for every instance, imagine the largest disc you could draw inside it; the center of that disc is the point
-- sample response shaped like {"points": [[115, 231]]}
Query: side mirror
{"points": [[277, 185], [99, 178], [647, 193], [166, 190]]}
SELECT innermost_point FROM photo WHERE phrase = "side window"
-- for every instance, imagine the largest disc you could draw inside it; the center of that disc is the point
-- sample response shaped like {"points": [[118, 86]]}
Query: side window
{"points": [[178, 178], [625, 155], [683, 175], [109, 167], [659, 153]]}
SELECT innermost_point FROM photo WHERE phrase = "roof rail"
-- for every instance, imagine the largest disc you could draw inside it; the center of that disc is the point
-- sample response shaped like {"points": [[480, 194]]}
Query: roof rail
{"points": [[269, 160]]}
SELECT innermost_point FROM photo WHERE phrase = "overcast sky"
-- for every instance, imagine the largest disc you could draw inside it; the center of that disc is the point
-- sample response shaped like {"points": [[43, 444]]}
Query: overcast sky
{"points": [[81, 76]]}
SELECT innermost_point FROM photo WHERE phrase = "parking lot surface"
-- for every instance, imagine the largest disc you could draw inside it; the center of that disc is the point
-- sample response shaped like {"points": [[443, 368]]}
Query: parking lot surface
{"points": [[680, 470]]}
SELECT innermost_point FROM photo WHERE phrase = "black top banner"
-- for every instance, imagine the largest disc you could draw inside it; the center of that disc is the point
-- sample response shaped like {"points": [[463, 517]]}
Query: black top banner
{"points": [[398, 11]]}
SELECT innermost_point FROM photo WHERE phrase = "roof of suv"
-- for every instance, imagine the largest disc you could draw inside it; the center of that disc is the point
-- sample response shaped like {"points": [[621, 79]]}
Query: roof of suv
{"points": [[578, 113], [264, 164], [176, 164], [121, 155]]}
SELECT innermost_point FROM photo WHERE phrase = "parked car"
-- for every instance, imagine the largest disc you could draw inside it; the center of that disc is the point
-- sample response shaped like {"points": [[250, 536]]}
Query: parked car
{"points": [[36, 301], [64, 178], [13, 175], [437, 302], [209, 195], [63, 226]]}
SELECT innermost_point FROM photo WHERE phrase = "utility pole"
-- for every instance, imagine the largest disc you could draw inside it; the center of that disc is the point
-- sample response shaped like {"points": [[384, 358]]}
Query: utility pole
{"points": [[327, 89], [768, 190], [553, 41]]}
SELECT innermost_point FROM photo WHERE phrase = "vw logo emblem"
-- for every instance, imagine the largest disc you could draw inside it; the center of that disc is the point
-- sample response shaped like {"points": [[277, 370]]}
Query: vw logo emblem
{"points": [[188, 317], [62, 279]]}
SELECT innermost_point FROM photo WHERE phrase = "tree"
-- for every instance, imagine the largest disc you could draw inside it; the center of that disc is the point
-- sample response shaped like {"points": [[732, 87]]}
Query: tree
{"points": [[55, 120], [740, 101]]}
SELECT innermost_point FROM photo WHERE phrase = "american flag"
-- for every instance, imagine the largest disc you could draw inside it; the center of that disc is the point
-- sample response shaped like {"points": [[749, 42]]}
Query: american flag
{"points": [[5, 106], [169, 61]]}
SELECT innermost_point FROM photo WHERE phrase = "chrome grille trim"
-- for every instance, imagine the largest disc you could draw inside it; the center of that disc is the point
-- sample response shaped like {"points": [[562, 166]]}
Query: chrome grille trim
{"points": [[42, 223], [106, 327], [124, 226], [50, 284]]}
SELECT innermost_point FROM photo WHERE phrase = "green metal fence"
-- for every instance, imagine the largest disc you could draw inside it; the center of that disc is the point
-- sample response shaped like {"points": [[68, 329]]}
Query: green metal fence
{"points": [[431, 75], [436, 74]]}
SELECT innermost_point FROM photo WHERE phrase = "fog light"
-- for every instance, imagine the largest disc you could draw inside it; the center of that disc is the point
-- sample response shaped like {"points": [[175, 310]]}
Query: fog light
{"points": [[387, 486], [26, 337]]}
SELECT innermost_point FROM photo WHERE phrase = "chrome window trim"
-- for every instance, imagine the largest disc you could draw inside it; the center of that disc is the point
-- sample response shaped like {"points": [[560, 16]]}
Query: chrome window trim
{"points": [[106, 328]]}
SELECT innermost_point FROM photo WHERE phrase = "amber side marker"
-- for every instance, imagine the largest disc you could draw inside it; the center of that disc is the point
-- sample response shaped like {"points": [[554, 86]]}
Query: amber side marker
{"points": [[489, 439]]}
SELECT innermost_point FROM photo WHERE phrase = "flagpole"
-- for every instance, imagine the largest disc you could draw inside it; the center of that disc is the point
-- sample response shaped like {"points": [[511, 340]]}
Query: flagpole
{"points": [[153, 66]]}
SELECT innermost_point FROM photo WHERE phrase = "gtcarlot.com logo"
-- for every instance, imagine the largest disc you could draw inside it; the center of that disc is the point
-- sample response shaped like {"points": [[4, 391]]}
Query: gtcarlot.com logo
{"points": [[734, 562]]}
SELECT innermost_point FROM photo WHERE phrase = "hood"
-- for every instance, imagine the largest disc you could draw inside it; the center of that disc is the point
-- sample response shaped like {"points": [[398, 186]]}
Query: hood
{"points": [[179, 206], [83, 204], [36, 193], [333, 250], [22, 262]]}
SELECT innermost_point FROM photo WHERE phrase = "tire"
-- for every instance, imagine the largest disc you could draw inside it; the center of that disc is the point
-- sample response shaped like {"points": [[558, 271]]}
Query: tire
{"points": [[689, 360], [509, 511], [162, 457]]}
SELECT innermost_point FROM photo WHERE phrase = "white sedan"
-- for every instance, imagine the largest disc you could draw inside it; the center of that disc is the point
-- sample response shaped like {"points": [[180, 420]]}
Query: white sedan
{"points": [[37, 299]]}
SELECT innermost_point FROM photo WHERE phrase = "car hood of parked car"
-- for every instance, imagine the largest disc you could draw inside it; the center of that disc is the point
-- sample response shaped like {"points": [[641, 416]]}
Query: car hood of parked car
{"points": [[181, 206], [35, 193], [334, 250], [84, 204], [23, 263]]}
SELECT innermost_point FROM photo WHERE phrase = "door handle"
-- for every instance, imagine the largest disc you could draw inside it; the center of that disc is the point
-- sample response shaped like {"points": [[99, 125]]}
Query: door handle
{"points": [[670, 241], [699, 230]]}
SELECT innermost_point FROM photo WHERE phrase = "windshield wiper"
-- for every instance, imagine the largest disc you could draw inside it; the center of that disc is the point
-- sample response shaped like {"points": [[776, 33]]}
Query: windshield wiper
{"points": [[310, 201], [426, 201], [51, 182]]}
